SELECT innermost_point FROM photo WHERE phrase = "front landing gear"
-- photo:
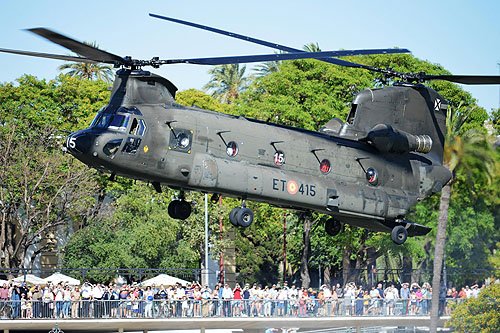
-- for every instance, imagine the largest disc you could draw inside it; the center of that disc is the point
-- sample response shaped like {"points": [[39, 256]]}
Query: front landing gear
{"points": [[399, 234], [179, 209], [241, 216]]}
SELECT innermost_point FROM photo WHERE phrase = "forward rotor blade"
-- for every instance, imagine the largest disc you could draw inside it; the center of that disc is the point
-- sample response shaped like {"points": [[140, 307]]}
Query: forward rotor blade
{"points": [[466, 79], [268, 44], [230, 34], [51, 56], [85, 50], [277, 57]]}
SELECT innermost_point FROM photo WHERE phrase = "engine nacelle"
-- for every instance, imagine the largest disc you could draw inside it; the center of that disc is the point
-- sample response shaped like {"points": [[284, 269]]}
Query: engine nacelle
{"points": [[389, 140]]}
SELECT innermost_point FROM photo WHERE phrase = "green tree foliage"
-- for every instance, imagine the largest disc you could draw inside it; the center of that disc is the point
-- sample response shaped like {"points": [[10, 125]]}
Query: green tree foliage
{"points": [[193, 97], [41, 188], [472, 152], [137, 232], [480, 314], [304, 93]]}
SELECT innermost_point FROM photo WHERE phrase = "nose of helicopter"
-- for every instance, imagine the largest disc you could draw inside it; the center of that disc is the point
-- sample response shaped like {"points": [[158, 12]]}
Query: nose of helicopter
{"points": [[78, 142]]}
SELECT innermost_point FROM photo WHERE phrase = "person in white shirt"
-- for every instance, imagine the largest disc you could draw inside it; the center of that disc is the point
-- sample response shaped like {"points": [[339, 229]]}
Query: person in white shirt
{"points": [[86, 296], [327, 304], [59, 298], [227, 296], [97, 293]]}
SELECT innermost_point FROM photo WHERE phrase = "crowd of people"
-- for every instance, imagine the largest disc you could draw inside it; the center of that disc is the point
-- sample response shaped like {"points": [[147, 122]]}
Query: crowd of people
{"points": [[20, 300]]}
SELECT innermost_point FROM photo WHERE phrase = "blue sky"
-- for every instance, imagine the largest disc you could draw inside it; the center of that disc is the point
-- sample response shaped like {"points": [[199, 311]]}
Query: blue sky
{"points": [[460, 35]]}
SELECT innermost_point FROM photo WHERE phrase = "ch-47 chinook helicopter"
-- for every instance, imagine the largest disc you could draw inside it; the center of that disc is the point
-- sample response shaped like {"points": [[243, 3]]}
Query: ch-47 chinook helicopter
{"points": [[367, 171]]}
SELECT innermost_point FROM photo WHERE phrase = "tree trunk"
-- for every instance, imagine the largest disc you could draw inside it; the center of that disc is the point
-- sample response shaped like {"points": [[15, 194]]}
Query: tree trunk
{"points": [[306, 251], [327, 276], [438, 254], [346, 266], [406, 274]]}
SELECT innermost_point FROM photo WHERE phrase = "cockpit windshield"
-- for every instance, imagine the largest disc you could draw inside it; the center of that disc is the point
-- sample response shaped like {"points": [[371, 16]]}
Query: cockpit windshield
{"points": [[112, 121], [119, 122]]}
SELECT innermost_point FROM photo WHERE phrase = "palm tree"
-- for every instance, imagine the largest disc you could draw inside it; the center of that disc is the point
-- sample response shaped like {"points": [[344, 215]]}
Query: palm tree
{"points": [[227, 82], [460, 151], [267, 68], [89, 71], [312, 47]]}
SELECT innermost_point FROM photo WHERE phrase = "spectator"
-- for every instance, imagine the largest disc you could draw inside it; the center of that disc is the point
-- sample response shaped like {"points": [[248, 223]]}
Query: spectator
{"points": [[205, 300], [36, 302], [405, 296], [86, 293], [237, 300], [75, 302], [148, 296]]}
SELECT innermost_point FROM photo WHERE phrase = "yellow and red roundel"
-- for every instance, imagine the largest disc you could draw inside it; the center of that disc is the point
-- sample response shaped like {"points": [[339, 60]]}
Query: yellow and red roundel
{"points": [[292, 187]]}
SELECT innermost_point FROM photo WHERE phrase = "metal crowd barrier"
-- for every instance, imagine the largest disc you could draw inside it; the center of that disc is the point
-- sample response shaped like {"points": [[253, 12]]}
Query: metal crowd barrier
{"points": [[217, 308]]}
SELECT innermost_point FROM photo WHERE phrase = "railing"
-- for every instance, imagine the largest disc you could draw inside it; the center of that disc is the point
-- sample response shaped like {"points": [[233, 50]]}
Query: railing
{"points": [[127, 308]]}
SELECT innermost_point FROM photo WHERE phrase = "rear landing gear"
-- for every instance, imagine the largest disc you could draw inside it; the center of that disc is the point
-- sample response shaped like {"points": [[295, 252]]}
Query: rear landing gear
{"points": [[332, 227], [399, 234], [241, 216]]}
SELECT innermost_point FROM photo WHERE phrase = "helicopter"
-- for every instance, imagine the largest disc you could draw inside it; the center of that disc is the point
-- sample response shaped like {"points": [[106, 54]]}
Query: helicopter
{"points": [[367, 171]]}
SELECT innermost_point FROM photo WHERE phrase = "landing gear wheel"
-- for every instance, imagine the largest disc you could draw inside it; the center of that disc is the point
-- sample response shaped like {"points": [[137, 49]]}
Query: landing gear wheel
{"points": [[183, 210], [399, 234], [332, 227], [244, 217], [179, 209], [171, 208], [232, 216]]}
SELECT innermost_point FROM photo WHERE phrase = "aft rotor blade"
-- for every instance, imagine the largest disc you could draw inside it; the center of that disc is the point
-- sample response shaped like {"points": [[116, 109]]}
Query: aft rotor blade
{"points": [[51, 56], [269, 44], [80, 48], [277, 57], [466, 79]]}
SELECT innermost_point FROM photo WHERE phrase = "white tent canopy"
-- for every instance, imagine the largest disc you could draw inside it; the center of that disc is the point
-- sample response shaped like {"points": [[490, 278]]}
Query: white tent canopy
{"points": [[164, 279], [59, 277], [30, 278]]}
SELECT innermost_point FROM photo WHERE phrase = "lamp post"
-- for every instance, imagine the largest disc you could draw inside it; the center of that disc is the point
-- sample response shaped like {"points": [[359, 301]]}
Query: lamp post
{"points": [[206, 240]]}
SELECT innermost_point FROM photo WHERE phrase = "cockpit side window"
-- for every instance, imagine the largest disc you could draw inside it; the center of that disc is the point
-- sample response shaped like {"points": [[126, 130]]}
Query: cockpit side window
{"points": [[138, 127]]}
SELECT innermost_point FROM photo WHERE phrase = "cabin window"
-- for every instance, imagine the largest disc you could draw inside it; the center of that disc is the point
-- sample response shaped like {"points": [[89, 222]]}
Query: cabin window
{"points": [[232, 149], [325, 166], [131, 145], [181, 140], [372, 176]]}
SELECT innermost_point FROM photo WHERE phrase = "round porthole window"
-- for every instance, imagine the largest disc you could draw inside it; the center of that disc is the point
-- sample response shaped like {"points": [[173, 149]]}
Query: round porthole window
{"points": [[372, 176], [325, 166], [232, 149], [183, 140], [279, 158]]}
